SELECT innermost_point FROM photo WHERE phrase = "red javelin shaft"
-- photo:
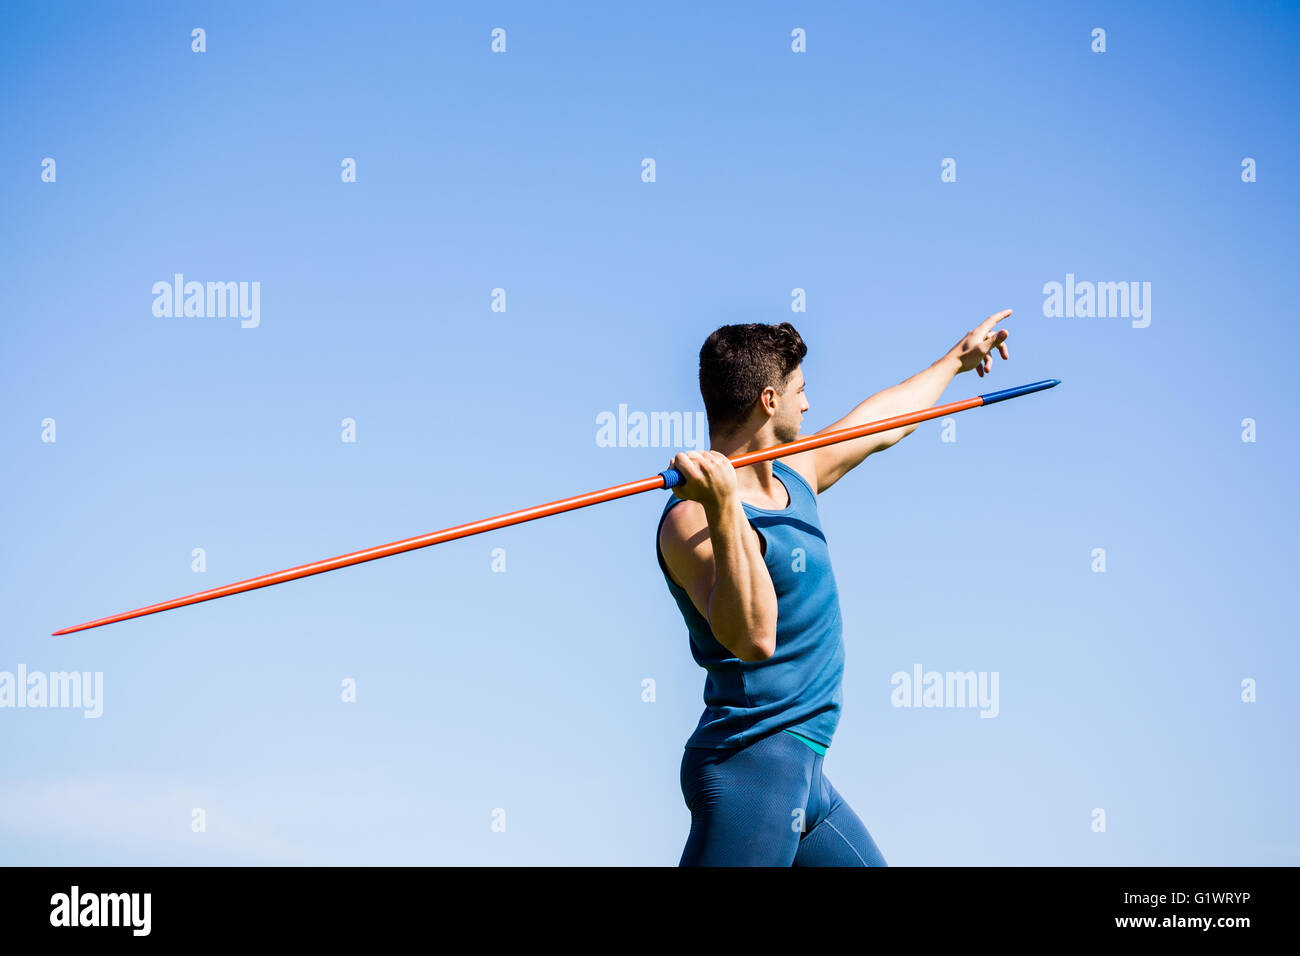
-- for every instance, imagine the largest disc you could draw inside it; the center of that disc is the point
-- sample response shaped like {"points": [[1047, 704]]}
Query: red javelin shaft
{"points": [[665, 479]]}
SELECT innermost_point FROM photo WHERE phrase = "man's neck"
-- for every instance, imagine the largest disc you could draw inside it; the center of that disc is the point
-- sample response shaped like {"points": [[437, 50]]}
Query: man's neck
{"points": [[754, 480]]}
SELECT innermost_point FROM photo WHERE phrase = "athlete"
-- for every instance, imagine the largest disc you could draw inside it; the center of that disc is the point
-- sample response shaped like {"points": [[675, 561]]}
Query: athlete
{"points": [[744, 557]]}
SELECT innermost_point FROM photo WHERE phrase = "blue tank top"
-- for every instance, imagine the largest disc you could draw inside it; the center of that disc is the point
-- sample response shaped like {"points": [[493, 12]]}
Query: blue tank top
{"points": [[798, 688]]}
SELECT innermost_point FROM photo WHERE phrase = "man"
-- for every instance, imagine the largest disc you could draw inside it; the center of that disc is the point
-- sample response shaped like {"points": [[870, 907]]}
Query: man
{"points": [[744, 557]]}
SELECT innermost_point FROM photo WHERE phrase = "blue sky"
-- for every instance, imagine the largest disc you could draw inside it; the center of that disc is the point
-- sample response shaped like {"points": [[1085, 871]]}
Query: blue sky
{"points": [[480, 691]]}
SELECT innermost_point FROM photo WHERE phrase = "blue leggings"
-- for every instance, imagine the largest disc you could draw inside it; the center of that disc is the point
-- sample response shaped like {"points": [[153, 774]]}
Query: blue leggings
{"points": [[768, 804]]}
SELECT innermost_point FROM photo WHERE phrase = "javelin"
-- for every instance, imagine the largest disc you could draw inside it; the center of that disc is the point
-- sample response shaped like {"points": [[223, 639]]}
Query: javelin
{"points": [[669, 478]]}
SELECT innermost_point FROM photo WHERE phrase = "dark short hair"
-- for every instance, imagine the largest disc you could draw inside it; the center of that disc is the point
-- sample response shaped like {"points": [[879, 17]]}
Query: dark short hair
{"points": [[737, 362]]}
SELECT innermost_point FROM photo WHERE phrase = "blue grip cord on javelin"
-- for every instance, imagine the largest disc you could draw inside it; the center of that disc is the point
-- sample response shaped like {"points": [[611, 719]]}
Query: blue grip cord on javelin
{"points": [[672, 477]]}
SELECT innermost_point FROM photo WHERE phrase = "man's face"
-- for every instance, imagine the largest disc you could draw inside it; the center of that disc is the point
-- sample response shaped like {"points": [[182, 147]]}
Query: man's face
{"points": [[791, 409]]}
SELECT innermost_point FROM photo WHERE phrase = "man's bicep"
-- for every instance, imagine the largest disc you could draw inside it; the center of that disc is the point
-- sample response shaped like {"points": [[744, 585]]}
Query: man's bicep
{"points": [[832, 462]]}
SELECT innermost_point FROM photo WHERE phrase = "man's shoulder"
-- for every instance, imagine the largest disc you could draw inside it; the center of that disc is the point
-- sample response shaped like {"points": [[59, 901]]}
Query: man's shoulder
{"points": [[681, 517], [804, 466]]}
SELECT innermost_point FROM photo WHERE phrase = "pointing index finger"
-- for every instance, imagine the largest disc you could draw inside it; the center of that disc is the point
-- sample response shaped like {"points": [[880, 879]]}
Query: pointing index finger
{"points": [[993, 320]]}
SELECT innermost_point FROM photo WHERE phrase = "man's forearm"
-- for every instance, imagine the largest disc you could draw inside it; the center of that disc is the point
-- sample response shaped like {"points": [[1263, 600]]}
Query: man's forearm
{"points": [[922, 390], [742, 608]]}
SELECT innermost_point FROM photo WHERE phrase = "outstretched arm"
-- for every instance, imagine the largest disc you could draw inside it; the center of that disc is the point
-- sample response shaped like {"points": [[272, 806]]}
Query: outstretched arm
{"points": [[922, 390]]}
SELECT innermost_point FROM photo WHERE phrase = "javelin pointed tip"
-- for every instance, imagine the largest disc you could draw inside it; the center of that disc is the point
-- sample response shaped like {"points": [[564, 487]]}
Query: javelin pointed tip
{"points": [[989, 398]]}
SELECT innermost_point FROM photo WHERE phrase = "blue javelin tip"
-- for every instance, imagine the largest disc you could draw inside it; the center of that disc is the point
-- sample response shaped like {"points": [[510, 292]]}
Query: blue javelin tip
{"points": [[1000, 396]]}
